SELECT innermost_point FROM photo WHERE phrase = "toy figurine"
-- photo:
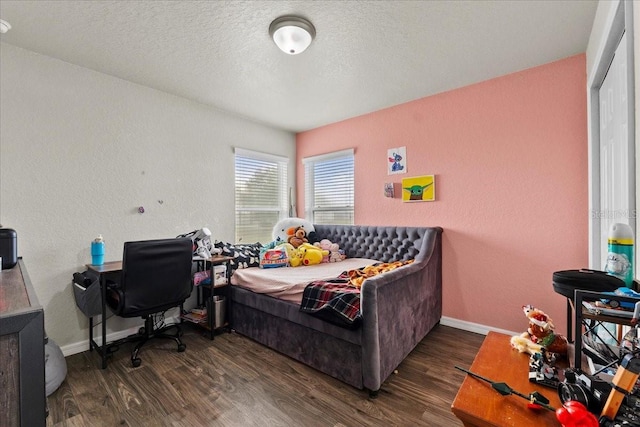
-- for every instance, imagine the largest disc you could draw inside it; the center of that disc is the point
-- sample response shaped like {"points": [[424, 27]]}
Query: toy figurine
{"points": [[540, 334], [542, 371]]}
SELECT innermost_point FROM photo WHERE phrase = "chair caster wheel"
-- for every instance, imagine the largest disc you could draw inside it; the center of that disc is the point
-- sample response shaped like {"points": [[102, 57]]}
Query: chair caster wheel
{"points": [[136, 362], [181, 348]]}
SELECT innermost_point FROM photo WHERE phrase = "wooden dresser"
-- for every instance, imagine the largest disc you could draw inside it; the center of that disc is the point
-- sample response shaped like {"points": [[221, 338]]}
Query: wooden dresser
{"points": [[22, 341]]}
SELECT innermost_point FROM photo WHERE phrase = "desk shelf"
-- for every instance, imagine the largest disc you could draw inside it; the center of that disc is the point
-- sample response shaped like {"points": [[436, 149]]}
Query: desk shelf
{"points": [[213, 290], [589, 320]]}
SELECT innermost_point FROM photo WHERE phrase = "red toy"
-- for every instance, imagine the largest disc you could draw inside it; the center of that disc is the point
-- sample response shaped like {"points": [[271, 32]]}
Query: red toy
{"points": [[574, 414]]}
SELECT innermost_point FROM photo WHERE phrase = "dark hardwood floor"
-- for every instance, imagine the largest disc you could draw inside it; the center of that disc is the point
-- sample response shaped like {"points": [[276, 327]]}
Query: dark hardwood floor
{"points": [[233, 381]]}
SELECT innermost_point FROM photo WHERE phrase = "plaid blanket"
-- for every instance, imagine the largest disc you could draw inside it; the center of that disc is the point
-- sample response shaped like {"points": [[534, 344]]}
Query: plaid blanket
{"points": [[335, 300], [338, 300]]}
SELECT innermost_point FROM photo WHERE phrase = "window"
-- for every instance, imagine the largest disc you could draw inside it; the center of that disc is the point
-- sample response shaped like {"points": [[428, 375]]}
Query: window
{"points": [[329, 188], [261, 194]]}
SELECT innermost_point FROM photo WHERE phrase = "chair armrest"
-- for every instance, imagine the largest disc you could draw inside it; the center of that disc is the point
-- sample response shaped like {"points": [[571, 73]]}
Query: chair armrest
{"points": [[398, 309]]}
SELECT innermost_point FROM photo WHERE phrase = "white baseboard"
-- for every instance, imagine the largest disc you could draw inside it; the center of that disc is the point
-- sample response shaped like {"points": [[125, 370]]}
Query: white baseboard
{"points": [[79, 347], [477, 328], [473, 327]]}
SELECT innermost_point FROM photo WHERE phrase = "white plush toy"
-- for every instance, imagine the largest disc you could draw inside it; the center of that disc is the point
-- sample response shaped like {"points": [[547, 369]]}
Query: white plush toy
{"points": [[295, 231], [335, 254]]}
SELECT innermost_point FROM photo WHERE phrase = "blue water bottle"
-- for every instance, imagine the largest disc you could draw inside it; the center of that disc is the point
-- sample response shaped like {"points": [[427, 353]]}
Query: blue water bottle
{"points": [[97, 250], [620, 253]]}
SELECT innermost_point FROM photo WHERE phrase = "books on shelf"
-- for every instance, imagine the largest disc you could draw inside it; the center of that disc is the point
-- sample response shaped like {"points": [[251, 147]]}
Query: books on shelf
{"points": [[196, 315]]}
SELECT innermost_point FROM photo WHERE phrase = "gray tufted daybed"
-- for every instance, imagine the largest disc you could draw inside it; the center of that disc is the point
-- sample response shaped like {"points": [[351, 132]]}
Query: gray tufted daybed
{"points": [[398, 308]]}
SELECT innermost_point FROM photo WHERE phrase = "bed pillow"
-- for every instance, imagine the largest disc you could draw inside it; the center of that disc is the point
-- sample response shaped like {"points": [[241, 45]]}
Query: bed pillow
{"points": [[245, 254]]}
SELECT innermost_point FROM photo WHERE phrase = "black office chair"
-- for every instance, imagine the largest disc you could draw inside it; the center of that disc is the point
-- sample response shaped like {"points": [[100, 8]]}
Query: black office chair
{"points": [[156, 276]]}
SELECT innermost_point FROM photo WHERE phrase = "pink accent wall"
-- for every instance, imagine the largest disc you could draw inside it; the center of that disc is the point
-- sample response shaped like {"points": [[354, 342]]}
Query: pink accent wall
{"points": [[510, 159]]}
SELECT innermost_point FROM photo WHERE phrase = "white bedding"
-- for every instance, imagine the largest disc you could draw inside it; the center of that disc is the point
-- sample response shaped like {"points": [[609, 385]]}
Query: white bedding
{"points": [[288, 283]]}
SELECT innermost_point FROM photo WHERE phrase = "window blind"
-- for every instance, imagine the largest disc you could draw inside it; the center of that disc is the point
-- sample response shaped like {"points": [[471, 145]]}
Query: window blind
{"points": [[329, 188], [260, 194]]}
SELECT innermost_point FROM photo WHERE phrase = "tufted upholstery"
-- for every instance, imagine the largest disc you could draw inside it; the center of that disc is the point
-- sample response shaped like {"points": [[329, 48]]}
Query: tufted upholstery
{"points": [[386, 244]]}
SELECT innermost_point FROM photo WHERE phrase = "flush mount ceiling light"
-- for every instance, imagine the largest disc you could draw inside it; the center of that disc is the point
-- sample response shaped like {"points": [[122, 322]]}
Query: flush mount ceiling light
{"points": [[292, 34], [4, 26]]}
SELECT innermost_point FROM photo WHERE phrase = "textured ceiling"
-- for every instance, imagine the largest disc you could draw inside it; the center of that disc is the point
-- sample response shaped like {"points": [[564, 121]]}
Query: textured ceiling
{"points": [[367, 55]]}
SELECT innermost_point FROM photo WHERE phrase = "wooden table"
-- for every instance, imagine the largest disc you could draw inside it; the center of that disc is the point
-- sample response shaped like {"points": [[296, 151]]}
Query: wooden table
{"points": [[477, 404]]}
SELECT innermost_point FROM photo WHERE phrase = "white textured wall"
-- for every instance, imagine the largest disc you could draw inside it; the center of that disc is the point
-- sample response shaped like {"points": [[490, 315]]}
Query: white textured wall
{"points": [[80, 151]]}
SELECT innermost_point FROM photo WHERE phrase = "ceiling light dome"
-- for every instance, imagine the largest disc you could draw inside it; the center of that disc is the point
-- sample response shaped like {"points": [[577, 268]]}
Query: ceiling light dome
{"points": [[292, 34]]}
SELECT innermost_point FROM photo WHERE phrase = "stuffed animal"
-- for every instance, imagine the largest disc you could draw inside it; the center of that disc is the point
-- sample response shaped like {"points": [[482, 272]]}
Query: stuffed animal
{"points": [[540, 333], [325, 245], [297, 236], [296, 256], [305, 254], [335, 254], [333, 249], [295, 231], [311, 254]]}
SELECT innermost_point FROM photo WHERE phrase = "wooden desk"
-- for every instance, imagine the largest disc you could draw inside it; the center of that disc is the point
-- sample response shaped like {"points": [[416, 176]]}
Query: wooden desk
{"points": [[477, 404], [106, 270], [113, 270]]}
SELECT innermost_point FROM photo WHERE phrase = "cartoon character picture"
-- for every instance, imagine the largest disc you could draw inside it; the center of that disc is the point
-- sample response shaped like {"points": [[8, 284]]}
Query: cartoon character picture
{"points": [[397, 160], [416, 191], [419, 189]]}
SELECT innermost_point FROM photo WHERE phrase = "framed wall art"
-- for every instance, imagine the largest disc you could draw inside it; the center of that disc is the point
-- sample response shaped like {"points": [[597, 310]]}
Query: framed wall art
{"points": [[396, 160], [419, 189]]}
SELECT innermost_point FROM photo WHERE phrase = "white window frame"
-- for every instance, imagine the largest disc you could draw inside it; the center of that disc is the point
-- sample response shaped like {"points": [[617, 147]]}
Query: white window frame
{"points": [[281, 205], [619, 19], [308, 163]]}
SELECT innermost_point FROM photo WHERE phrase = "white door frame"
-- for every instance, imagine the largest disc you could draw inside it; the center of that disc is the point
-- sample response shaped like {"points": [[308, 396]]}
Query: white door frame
{"points": [[618, 22]]}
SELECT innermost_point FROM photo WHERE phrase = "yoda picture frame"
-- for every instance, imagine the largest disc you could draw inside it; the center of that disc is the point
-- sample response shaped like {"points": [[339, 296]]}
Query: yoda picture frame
{"points": [[419, 189]]}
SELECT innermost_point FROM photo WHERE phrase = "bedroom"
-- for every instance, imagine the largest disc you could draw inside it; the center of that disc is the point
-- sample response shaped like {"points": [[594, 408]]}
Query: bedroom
{"points": [[81, 150]]}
